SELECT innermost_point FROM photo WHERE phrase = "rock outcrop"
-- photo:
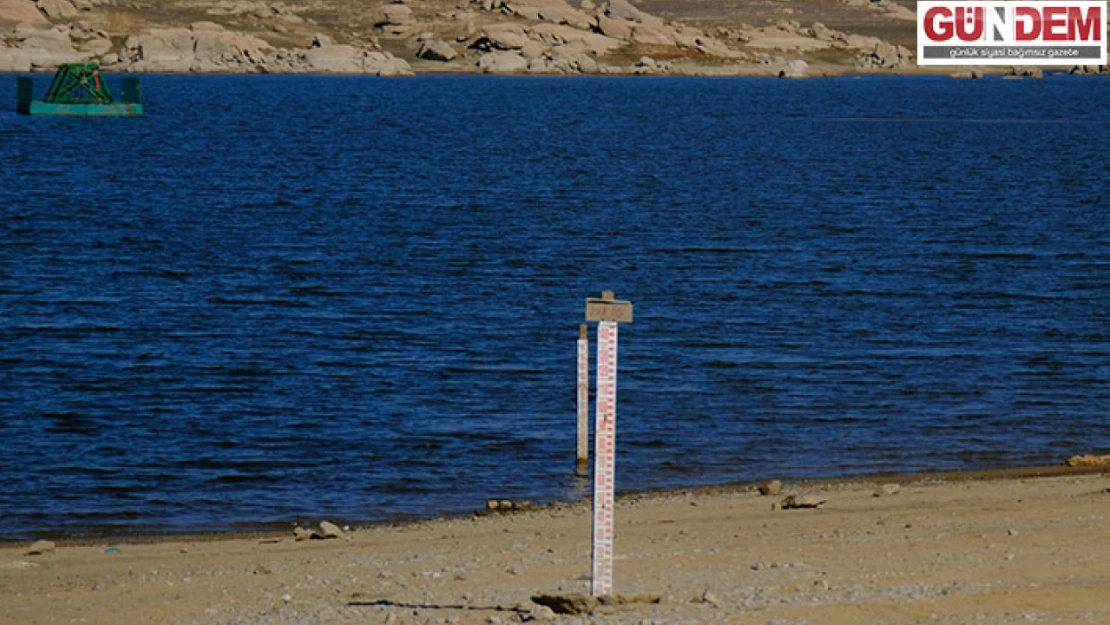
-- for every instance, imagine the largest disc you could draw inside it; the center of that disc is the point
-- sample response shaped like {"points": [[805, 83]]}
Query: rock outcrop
{"points": [[498, 36], [436, 50], [39, 46], [13, 12], [57, 10], [203, 47], [330, 58], [502, 62]]}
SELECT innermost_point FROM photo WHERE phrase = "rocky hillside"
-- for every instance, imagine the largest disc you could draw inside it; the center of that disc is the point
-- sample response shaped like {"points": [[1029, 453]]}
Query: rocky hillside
{"points": [[791, 38]]}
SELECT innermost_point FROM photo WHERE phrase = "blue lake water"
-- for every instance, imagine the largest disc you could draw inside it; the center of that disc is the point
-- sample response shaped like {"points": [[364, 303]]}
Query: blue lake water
{"points": [[294, 298]]}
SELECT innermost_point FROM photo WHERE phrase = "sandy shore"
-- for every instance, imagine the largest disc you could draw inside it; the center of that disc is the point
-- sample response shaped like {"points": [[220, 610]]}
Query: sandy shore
{"points": [[1015, 549]]}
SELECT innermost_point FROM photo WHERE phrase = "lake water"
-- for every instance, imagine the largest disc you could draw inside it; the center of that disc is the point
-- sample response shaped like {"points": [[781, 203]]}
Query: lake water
{"points": [[295, 298]]}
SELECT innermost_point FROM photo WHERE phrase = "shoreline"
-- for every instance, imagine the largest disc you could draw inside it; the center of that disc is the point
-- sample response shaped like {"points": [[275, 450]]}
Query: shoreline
{"points": [[67, 539], [994, 547], [952, 72]]}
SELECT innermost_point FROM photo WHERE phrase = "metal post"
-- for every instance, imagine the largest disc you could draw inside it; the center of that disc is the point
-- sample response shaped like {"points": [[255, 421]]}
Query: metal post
{"points": [[582, 464]]}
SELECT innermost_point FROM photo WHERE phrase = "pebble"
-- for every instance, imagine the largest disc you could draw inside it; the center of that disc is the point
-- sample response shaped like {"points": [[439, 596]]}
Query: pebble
{"points": [[541, 613], [888, 489], [40, 547], [709, 597], [330, 530], [803, 501], [300, 533], [770, 487]]}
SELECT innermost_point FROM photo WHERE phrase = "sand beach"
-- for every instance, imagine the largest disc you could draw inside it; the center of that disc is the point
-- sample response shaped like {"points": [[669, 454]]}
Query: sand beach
{"points": [[1025, 546]]}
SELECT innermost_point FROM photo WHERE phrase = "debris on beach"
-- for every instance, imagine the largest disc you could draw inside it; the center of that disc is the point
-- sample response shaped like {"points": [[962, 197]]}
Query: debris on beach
{"points": [[40, 547], [1088, 460], [794, 502], [504, 505], [770, 487], [330, 530], [577, 603], [707, 597], [541, 613], [327, 530], [567, 604], [887, 490]]}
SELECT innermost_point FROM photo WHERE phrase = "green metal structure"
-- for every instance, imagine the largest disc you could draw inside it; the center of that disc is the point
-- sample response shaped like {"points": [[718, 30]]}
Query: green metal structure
{"points": [[78, 90], [78, 83]]}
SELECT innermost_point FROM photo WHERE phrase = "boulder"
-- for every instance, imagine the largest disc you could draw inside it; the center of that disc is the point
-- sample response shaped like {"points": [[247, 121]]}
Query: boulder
{"points": [[436, 50], [95, 47], [40, 547], [770, 487], [714, 47], [554, 11], [648, 65], [540, 65], [58, 9], [502, 62], [1089, 69], [794, 69], [14, 60], [820, 31], [397, 14], [586, 65], [204, 46], [623, 10], [590, 43], [386, 65], [885, 55], [214, 45], [14, 12], [161, 50], [654, 34], [533, 50], [330, 530], [334, 59], [501, 37], [47, 47], [300, 533], [616, 28]]}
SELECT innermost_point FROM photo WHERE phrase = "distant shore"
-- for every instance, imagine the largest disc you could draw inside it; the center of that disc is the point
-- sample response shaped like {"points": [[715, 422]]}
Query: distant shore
{"points": [[986, 546], [789, 39]]}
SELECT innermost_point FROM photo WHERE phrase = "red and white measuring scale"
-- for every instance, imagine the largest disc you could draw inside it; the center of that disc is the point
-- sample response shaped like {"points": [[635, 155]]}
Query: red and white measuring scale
{"points": [[607, 312], [605, 437]]}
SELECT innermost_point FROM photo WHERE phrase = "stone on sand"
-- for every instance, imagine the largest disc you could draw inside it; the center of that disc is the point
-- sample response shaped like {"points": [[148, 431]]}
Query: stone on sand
{"points": [[40, 547]]}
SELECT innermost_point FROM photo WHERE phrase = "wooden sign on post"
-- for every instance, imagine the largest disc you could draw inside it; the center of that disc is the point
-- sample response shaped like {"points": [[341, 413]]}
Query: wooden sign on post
{"points": [[607, 311]]}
